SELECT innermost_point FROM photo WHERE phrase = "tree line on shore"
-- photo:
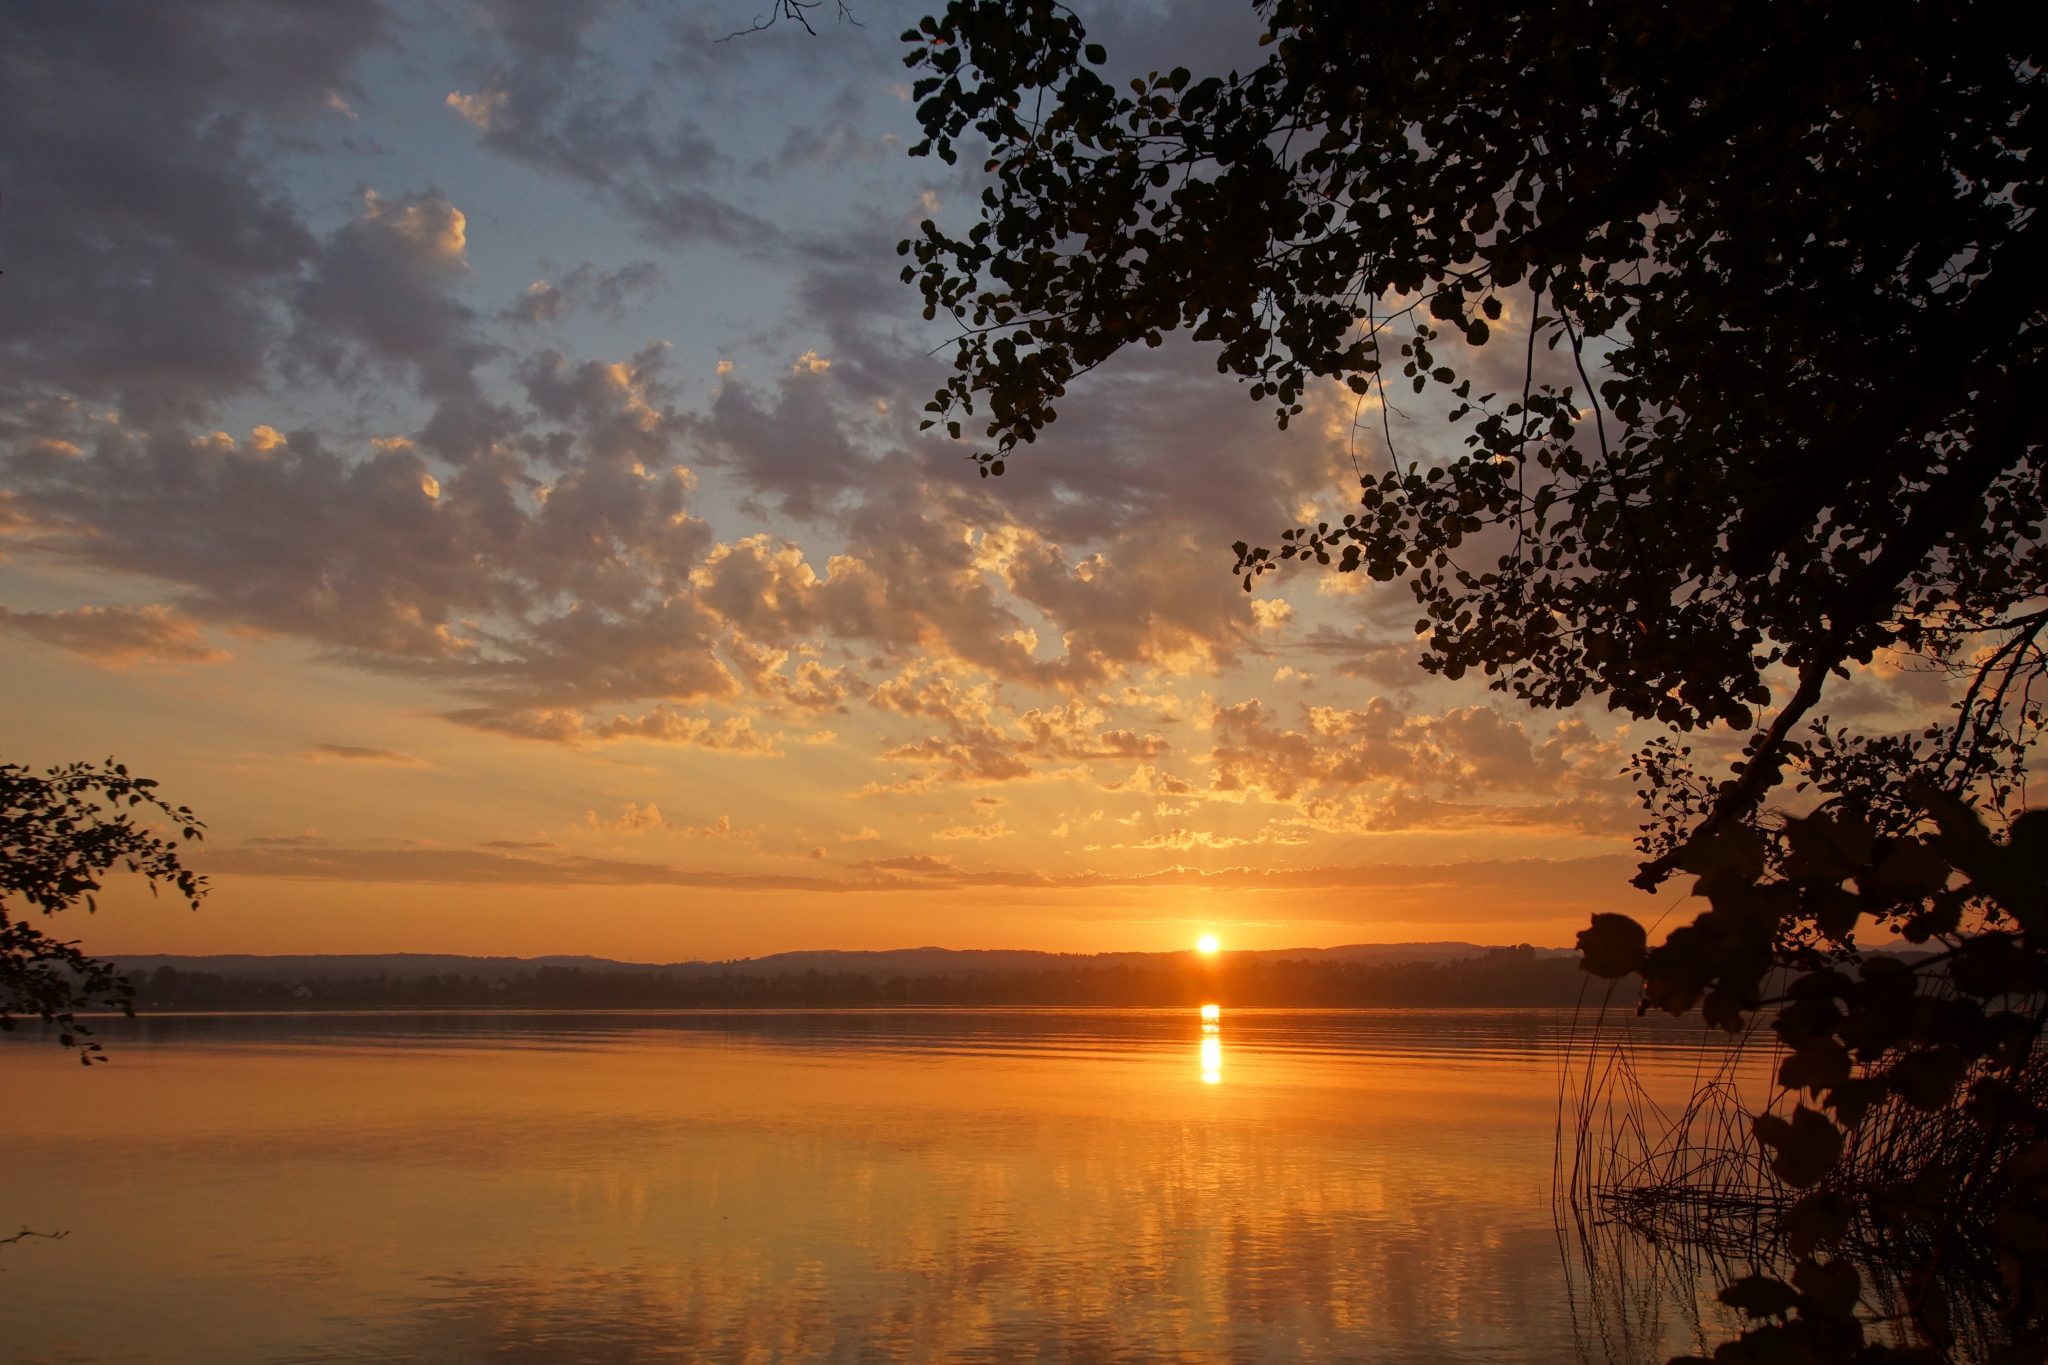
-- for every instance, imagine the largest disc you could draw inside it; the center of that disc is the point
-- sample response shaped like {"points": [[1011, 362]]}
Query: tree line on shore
{"points": [[1517, 976]]}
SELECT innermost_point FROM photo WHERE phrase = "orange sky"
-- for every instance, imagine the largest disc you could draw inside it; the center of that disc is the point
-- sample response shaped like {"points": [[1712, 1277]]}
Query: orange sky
{"points": [[478, 470]]}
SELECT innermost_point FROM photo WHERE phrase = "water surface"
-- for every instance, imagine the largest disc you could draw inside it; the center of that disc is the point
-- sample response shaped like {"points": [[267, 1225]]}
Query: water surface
{"points": [[888, 1185]]}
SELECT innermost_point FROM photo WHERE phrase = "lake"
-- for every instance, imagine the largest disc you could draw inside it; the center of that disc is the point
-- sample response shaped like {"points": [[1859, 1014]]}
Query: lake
{"points": [[888, 1185]]}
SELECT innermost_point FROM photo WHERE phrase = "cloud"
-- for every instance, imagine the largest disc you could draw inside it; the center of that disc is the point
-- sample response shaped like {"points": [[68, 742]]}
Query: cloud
{"points": [[462, 492], [1181, 839], [549, 565], [148, 241], [1272, 613], [662, 725], [838, 141], [549, 100], [379, 297], [586, 289], [118, 637], [1414, 763], [811, 687], [984, 738], [1502, 891], [353, 753], [791, 447], [1151, 780], [561, 589], [634, 819], [294, 538], [921, 863], [981, 833], [481, 867], [1371, 652]]}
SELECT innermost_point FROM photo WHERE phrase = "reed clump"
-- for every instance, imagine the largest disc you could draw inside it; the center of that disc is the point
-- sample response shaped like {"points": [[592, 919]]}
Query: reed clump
{"points": [[1677, 1197], [1861, 1158]]}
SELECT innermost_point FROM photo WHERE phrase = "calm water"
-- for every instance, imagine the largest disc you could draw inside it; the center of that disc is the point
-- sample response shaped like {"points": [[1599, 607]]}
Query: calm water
{"points": [[1051, 1185]]}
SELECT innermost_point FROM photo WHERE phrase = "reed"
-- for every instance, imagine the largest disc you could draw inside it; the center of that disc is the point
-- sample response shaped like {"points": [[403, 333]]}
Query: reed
{"points": [[1686, 1197]]}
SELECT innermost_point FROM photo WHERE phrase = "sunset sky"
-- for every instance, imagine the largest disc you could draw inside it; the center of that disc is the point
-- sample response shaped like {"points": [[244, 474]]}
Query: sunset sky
{"points": [[468, 452]]}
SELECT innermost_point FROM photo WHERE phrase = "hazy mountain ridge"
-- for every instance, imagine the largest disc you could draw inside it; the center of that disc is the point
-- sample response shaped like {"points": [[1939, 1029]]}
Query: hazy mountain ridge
{"points": [[909, 962]]}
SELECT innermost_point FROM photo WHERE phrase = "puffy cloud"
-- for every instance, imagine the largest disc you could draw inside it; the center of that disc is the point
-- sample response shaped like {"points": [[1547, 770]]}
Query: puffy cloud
{"points": [[984, 738], [634, 819], [548, 99], [584, 289], [562, 595], [379, 297], [1112, 567], [1272, 613], [791, 448], [299, 539], [918, 593], [1413, 763], [564, 574], [1148, 779], [1585, 813], [981, 833], [147, 262], [477, 110], [810, 687], [118, 637]]}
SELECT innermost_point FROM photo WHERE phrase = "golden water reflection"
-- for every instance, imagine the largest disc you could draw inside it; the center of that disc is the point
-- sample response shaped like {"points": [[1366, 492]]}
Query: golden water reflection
{"points": [[954, 1185]]}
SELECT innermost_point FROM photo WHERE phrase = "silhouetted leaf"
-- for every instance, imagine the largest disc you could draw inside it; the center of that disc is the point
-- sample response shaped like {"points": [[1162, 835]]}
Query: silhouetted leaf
{"points": [[1819, 1219], [1822, 849], [1830, 1288], [1760, 1296], [1804, 1148], [1612, 947]]}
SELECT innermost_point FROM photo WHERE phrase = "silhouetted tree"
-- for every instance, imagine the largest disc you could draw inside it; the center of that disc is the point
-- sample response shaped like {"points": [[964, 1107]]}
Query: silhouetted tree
{"points": [[1799, 246], [61, 831]]}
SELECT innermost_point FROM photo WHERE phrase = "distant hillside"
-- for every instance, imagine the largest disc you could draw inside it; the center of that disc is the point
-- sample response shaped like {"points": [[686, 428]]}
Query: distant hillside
{"points": [[1356, 974], [908, 962]]}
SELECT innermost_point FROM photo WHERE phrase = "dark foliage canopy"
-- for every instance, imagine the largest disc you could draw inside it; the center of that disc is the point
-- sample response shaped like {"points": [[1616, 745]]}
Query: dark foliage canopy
{"points": [[1798, 246], [1778, 283], [61, 832]]}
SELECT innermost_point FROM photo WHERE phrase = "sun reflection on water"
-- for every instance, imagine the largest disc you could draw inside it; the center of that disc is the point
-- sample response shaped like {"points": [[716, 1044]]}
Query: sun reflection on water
{"points": [[1211, 1051]]}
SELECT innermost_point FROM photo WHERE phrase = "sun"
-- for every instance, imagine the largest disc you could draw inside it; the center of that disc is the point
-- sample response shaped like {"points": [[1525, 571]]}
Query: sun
{"points": [[1207, 945]]}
